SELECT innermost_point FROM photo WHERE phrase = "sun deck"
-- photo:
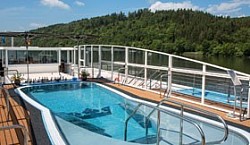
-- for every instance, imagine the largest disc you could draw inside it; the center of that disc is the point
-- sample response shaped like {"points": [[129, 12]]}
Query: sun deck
{"points": [[143, 79], [19, 114]]}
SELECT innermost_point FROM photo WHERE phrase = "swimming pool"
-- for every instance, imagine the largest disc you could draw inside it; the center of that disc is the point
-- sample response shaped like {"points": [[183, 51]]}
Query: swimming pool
{"points": [[89, 113], [212, 96]]}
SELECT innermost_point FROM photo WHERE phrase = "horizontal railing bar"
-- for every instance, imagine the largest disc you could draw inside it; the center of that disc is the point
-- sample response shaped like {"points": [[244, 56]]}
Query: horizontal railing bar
{"points": [[16, 126]]}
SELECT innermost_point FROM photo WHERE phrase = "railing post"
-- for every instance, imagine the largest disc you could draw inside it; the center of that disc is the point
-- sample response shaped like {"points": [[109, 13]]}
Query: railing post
{"points": [[79, 60], [68, 57], [203, 84], [248, 106], [74, 59], [100, 61], [181, 124], [91, 63], [112, 62], [59, 56], [84, 56], [126, 63], [145, 69], [170, 74], [158, 127]]}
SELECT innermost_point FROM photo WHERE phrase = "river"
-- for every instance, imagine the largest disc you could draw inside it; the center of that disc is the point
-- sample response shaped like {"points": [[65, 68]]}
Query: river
{"points": [[241, 64]]}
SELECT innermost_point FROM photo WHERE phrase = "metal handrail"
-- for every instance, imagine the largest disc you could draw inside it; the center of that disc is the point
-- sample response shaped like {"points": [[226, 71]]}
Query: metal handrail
{"points": [[163, 75], [150, 77], [155, 81], [135, 76], [126, 121], [122, 68], [207, 113], [203, 140], [147, 118], [15, 70], [241, 92], [16, 126]]}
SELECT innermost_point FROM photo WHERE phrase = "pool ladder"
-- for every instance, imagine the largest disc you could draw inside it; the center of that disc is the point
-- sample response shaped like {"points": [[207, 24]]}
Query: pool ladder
{"points": [[181, 117]]}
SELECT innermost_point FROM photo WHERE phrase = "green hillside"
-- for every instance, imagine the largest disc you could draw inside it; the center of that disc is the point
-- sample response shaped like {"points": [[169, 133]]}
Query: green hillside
{"points": [[168, 31]]}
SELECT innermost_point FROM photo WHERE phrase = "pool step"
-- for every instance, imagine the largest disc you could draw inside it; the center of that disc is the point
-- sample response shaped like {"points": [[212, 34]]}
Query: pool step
{"points": [[83, 124], [150, 139], [89, 113], [138, 117]]}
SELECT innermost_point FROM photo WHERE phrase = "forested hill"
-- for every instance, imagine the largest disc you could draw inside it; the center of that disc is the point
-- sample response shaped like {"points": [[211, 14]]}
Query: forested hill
{"points": [[168, 31]]}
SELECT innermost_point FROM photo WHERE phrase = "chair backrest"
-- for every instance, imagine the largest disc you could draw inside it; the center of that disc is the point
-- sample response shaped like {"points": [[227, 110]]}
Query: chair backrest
{"points": [[236, 81]]}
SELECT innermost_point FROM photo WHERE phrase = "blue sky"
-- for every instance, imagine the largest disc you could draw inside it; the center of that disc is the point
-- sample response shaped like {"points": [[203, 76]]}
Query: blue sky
{"points": [[24, 15]]}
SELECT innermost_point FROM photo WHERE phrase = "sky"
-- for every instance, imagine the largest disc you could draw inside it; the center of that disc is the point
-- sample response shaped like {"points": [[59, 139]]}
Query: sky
{"points": [[25, 15]]}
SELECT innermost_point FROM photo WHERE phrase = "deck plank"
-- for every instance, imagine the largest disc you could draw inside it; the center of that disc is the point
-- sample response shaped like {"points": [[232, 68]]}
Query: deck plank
{"points": [[17, 117], [7, 136]]}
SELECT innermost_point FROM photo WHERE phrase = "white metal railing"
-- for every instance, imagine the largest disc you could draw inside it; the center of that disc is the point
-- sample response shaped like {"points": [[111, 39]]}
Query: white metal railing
{"points": [[202, 71]]}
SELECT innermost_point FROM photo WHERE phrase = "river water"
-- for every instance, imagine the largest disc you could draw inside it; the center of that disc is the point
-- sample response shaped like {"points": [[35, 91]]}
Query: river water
{"points": [[241, 64]]}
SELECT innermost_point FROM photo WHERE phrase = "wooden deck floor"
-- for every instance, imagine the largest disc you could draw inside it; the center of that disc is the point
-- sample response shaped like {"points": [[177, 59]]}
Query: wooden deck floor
{"points": [[17, 116]]}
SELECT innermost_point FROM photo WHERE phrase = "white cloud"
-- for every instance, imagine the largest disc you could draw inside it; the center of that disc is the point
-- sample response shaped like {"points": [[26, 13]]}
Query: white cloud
{"points": [[36, 25], [79, 3], [230, 7], [173, 6], [152, 1], [55, 3]]}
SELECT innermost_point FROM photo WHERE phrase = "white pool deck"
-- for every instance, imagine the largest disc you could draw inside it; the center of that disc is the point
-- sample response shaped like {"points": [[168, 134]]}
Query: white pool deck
{"points": [[39, 76]]}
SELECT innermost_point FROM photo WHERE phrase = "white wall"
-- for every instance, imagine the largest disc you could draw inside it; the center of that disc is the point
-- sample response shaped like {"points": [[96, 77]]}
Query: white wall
{"points": [[34, 68]]}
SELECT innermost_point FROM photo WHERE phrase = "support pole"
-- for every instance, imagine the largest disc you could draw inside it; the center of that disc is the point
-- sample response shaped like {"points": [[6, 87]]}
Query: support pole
{"points": [[79, 61], [248, 102], [158, 135], [100, 61], [126, 63], [170, 74], [91, 63], [27, 55], [68, 57], [112, 63], [59, 61], [203, 91], [145, 69], [84, 56]]}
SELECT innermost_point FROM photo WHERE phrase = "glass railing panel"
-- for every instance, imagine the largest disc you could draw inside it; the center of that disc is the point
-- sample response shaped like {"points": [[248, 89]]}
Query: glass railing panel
{"points": [[215, 70], [96, 56], [119, 54], [106, 53], [106, 66], [188, 84], [136, 56], [186, 64], [156, 59]]}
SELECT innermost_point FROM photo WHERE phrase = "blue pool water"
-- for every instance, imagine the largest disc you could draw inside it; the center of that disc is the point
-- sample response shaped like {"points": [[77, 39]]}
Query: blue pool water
{"points": [[93, 108], [88, 112], [212, 96]]}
